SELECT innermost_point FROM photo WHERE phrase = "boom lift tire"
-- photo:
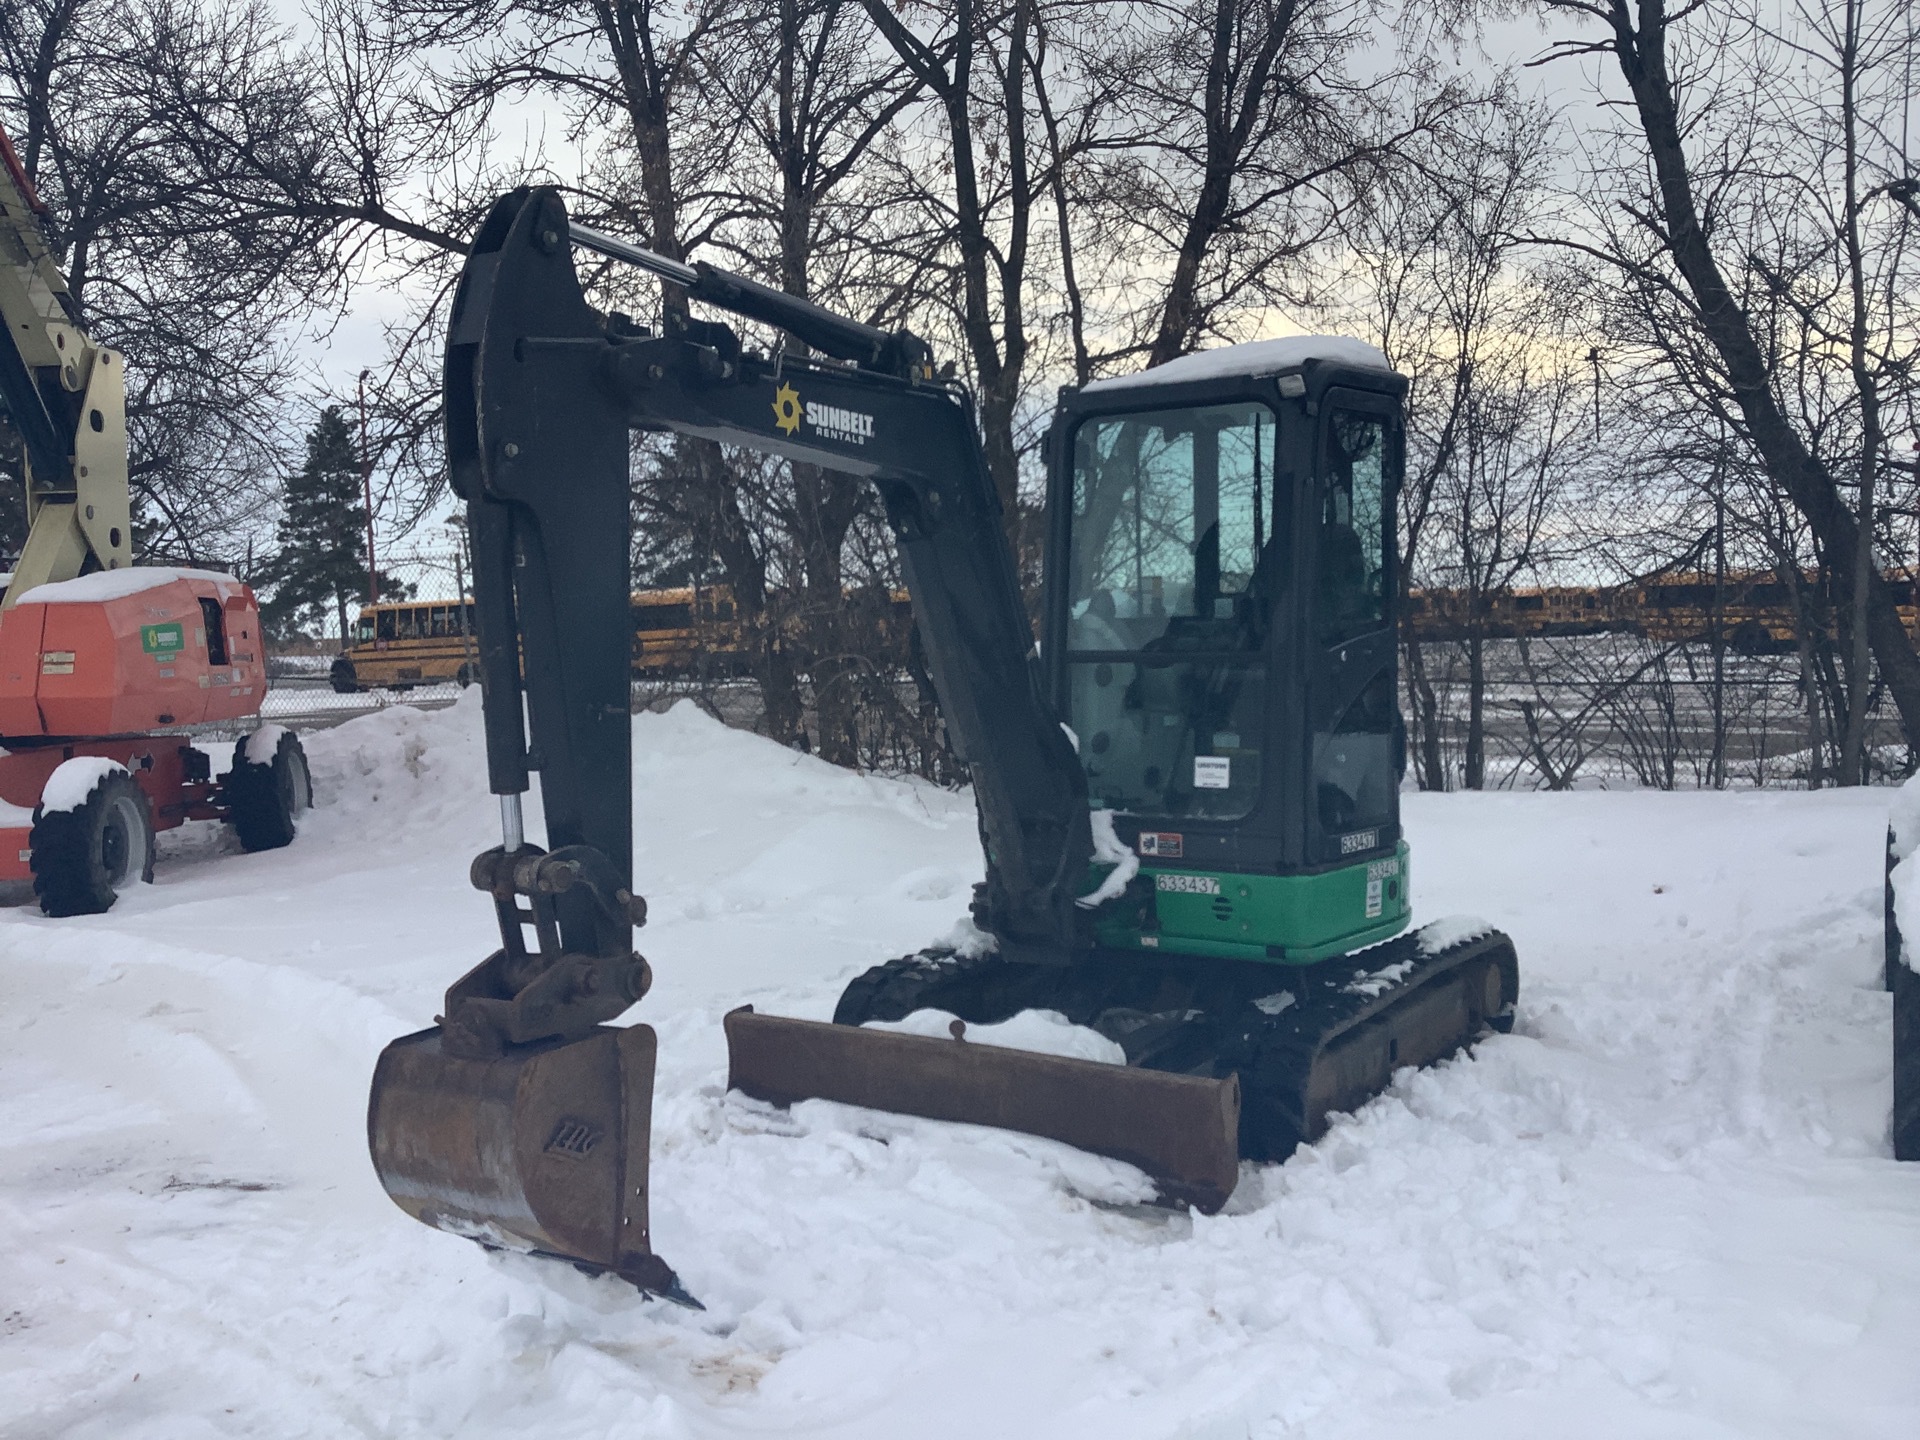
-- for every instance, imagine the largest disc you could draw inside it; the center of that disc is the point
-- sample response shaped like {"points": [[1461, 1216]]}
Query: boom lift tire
{"points": [[83, 858], [265, 798]]}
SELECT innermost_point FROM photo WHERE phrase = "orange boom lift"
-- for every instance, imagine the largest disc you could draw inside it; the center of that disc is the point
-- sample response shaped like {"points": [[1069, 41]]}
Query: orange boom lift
{"points": [[100, 659]]}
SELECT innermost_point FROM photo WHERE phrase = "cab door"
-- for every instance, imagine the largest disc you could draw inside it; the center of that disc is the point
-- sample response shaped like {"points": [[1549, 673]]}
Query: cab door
{"points": [[1352, 795]]}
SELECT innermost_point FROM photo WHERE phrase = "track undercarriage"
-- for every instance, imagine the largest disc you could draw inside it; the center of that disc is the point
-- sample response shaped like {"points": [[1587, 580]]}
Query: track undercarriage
{"points": [[1284, 1047]]}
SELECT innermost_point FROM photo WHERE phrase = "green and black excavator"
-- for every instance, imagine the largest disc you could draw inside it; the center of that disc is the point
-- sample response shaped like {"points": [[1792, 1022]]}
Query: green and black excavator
{"points": [[1188, 790]]}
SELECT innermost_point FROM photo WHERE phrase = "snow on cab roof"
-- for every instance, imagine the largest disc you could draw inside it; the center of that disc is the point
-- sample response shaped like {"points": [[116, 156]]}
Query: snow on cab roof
{"points": [[1256, 357], [113, 584]]}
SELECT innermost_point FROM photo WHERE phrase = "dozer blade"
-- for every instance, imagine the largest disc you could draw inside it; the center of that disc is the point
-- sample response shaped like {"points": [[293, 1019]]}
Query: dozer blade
{"points": [[1180, 1129], [543, 1150]]}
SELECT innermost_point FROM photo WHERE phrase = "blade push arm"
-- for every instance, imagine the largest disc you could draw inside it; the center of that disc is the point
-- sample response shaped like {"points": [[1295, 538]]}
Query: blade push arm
{"points": [[540, 396]]}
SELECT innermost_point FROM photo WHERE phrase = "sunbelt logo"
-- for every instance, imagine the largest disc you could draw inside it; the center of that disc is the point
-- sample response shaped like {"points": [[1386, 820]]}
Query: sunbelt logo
{"points": [[829, 422], [163, 640]]}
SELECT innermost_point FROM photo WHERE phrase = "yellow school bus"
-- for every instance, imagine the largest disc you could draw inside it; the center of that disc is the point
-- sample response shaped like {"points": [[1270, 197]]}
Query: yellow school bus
{"points": [[676, 633], [401, 644]]}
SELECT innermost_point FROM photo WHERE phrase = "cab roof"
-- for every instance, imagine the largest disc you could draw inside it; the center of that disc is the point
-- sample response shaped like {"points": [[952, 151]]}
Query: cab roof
{"points": [[1255, 358]]}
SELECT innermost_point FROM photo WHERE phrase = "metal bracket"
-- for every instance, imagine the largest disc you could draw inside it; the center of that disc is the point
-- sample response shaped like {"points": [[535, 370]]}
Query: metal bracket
{"points": [[517, 996]]}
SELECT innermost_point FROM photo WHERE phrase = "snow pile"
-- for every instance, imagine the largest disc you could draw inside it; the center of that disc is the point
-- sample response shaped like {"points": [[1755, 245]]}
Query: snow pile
{"points": [[1109, 849], [1662, 1207], [117, 584], [1375, 982], [1438, 935], [72, 781], [259, 747]]}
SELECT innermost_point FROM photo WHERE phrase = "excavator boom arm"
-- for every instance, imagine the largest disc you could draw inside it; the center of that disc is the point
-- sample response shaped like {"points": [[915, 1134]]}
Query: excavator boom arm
{"points": [[540, 396]]}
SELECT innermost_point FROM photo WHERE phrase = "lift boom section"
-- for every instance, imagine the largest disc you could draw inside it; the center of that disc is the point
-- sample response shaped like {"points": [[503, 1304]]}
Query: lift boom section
{"points": [[66, 397]]}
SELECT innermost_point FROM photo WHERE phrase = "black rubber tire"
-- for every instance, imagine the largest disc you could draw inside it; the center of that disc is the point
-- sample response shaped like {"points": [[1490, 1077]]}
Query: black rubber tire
{"points": [[83, 858], [264, 799], [343, 677]]}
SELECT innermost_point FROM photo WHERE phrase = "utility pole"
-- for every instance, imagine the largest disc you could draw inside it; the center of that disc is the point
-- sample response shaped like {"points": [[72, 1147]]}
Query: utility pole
{"points": [[366, 488], [470, 662]]}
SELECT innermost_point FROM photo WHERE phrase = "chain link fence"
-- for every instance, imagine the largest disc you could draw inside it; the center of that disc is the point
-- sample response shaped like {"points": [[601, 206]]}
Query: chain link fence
{"points": [[307, 686], [1554, 712], [1610, 710]]}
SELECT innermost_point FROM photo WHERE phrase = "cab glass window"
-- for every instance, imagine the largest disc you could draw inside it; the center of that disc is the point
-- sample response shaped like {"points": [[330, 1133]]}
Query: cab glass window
{"points": [[1352, 540], [1171, 522], [1170, 583]]}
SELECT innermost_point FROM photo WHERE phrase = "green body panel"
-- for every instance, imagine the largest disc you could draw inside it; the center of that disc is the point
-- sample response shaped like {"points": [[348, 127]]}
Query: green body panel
{"points": [[1282, 919]]}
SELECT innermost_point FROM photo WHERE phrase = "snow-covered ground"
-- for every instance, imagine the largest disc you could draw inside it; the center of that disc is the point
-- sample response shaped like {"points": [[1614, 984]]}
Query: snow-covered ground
{"points": [[1662, 1207]]}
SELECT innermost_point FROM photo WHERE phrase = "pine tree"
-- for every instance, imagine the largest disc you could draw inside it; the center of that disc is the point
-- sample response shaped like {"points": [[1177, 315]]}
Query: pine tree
{"points": [[322, 559]]}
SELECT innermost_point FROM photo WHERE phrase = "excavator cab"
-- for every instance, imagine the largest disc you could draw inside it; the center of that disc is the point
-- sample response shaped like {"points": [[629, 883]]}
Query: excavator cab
{"points": [[1219, 634], [1187, 790]]}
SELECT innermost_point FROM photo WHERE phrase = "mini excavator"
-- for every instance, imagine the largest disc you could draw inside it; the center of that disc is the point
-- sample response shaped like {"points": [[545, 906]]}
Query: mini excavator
{"points": [[1188, 793], [102, 661]]}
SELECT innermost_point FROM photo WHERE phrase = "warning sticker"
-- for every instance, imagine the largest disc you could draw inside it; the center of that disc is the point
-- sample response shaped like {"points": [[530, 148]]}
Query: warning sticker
{"points": [[1212, 772], [1165, 844]]}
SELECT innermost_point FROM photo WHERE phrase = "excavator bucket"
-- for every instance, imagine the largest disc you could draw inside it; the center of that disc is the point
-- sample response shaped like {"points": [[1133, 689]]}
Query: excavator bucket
{"points": [[542, 1150], [1180, 1129]]}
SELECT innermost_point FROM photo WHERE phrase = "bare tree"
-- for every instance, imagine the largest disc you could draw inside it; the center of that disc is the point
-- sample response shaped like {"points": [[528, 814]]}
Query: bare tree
{"points": [[976, 63], [816, 97], [1252, 137], [1492, 408], [1708, 209], [182, 159]]}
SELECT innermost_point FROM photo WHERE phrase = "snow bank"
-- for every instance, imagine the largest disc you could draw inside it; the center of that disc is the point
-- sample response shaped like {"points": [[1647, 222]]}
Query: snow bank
{"points": [[1903, 818], [115, 584], [1256, 357], [73, 780], [1662, 1207]]}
